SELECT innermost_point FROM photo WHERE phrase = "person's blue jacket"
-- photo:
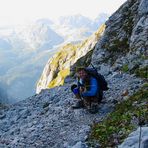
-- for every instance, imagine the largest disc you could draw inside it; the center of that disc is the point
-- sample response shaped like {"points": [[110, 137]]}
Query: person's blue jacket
{"points": [[93, 89]]}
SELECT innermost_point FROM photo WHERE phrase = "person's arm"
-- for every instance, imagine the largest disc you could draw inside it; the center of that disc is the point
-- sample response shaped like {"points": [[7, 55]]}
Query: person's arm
{"points": [[93, 89], [80, 83]]}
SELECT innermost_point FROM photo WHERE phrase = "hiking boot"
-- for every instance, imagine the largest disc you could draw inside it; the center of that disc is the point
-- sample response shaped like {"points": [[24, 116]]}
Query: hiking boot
{"points": [[78, 105], [93, 109]]}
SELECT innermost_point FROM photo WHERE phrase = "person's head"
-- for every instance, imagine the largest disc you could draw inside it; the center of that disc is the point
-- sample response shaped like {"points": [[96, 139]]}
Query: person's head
{"points": [[82, 73]]}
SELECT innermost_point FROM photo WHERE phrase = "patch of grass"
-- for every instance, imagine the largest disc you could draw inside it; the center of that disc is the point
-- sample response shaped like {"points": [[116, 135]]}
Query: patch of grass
{"points": [[117, 126], [3, 106], [144, 57], [142, 72], [119, 45], [116, 48], [125, 68]]}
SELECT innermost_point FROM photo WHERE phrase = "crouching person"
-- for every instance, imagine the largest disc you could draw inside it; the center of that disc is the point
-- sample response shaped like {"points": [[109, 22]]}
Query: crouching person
{"points": [[86, 91]]}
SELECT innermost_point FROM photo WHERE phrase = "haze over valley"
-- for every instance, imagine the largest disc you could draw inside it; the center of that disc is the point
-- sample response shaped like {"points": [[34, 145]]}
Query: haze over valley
{"points": [[25, 49]]}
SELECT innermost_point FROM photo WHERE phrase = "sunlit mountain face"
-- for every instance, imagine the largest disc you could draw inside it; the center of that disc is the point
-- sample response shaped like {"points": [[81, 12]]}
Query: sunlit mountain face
{"points": [[25, 49]]}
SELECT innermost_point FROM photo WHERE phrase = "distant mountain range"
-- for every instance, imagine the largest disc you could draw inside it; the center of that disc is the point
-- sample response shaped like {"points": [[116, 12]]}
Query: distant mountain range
{"points": [[78, 27], [24, 50], [79, 21], [45, 33]]}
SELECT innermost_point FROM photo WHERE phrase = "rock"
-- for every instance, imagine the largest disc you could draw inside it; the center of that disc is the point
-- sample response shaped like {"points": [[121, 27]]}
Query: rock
{"points": [[143, 7], [145, 143], [133, 139], [2, 115], [117, 75], [79, 145], [125, 93]]}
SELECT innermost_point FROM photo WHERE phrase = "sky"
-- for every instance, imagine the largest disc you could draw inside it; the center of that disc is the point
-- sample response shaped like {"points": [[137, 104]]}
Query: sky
{"points": [[13, 12]]}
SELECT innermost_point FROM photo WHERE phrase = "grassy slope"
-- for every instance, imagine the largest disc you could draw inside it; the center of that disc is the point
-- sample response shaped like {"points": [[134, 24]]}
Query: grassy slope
{"points": [[117, 126]]}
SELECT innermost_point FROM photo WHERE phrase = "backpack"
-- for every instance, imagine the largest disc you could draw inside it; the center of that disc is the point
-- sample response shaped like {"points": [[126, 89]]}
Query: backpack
{"points": [[100, 78]]}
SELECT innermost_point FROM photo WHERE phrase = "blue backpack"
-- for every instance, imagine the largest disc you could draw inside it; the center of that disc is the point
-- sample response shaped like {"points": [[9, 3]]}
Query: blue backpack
{"points": [[100, 78]]}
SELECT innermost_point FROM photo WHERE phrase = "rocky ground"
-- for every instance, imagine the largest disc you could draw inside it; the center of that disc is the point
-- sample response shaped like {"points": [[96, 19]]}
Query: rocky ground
{"points": [[47, 119]]}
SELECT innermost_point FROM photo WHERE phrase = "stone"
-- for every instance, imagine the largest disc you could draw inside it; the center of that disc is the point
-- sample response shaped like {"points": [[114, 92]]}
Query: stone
{"points": [[133, 139], [143, 7], [79, 145], [145, 143], [125, 93], [2, 116]]}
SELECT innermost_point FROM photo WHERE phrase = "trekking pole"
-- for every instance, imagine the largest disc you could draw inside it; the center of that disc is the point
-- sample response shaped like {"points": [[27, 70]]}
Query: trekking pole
{"points": [[141, 122], [140, 131], [94, 67]]}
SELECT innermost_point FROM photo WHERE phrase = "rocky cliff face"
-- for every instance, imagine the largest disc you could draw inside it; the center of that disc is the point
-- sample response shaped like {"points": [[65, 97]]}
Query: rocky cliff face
{"points": [[58, 67], [47, 120], [125, 39], [124, 46]]}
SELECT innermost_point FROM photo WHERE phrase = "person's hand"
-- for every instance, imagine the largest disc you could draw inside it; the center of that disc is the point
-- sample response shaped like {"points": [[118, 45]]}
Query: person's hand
{"points": [[82, 89]]}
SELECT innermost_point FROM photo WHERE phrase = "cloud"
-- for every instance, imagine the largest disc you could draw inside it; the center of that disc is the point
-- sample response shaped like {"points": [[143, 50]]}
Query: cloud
{"points": [[20, 11]]}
